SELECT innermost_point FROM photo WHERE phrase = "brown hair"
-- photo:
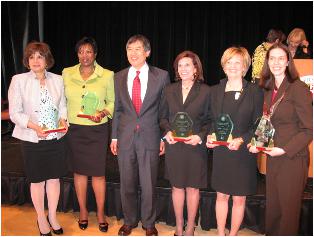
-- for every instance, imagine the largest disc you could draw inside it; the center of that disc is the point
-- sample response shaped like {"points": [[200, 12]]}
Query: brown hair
{"points": [[196, 62], [267, 76], [274, 35], [232, 51], [42, 48]]}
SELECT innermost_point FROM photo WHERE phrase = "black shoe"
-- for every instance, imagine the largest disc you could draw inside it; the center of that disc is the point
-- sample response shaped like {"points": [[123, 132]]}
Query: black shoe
{"points": [[57, 232], [126, 230], [41, 234], [103, 227], [83, 224]]}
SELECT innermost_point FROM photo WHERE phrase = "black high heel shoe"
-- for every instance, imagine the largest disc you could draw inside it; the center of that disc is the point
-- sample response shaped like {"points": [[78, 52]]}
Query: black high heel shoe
{"points": [[57, 232], [83, 224], [103, 227], [41, 234]]}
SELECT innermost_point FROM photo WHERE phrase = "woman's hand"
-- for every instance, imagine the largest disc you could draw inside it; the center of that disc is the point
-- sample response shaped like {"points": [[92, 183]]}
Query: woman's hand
{"points": [[99, 116], [193, 140], [169, 138], [209, 142], [252, 149], [40, 132], [64, 124], [235, 143], [274, 151]]}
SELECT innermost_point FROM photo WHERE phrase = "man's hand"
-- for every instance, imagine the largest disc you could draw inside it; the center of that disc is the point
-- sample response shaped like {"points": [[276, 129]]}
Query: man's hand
{"points": [[114, 147], [162, 148]]}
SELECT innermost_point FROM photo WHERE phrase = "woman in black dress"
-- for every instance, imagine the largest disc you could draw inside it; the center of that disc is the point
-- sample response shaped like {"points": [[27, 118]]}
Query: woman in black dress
{"points": [[186, 162], [234, 168], [36, 98]]}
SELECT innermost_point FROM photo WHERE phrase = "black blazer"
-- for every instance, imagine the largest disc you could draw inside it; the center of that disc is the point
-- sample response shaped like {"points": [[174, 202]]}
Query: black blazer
{"points": [[125, 117], [250, 108], [196, 105]]}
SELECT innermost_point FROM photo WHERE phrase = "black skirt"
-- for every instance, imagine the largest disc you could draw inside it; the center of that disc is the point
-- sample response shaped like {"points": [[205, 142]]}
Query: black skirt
{"points": [[87, 149], [44, 160]]}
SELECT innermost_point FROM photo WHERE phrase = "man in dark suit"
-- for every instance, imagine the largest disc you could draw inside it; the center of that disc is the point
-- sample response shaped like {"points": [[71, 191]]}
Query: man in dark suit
{"points": [[136, 136]]}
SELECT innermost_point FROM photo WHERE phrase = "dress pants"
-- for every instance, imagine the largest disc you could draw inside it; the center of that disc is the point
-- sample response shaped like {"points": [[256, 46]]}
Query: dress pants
{"points": [[285, 183], [138, 165]]}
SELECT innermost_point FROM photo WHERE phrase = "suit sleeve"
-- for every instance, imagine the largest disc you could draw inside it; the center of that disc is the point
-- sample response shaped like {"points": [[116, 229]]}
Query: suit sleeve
{"points": [[16, 111], [258, 100], [110, 95], [206, 120], [117, 109], [304, 112], [163, 108]]}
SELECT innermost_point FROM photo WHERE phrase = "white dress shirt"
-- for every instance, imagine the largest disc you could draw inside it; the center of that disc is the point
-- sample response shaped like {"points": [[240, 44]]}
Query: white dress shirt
{"points": [[143, 78]]}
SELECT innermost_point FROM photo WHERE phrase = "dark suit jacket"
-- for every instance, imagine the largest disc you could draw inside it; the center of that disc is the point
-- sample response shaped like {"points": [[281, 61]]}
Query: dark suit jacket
{"points": [[249, 110], [125, 117], [196, 105], [292, 120]]}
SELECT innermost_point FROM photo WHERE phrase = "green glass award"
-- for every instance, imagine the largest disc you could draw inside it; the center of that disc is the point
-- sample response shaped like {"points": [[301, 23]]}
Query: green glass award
{"points": [[223, 130], [89, 105], [264, 133], [182, 126]]}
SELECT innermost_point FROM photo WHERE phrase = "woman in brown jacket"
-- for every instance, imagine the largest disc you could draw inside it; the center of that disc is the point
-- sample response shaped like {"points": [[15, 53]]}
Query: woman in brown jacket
{"points": [[288, 102]]}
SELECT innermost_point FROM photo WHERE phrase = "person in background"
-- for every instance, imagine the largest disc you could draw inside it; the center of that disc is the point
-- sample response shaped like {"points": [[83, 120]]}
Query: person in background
{"points": [[136, 136], [298, 45], [288, 102], [88, 137], [36, 98], [234, 167], [186, 162], [273, 36]]}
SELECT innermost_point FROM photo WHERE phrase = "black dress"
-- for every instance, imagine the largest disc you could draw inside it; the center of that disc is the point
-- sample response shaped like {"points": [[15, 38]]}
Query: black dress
{"points": [[186, 165], [234, 172]]}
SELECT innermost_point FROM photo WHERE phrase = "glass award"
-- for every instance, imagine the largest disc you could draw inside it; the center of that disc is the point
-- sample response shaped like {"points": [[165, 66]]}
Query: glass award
{"points": [[264, 133], [53, 123], [89, 105], [182, 127], [223, 130]]}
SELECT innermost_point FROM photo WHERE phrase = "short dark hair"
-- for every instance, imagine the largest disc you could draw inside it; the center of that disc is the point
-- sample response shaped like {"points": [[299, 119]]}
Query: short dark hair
{"points": [[274, 35], [196, 62], [267, 76], [140, 38], [86, 40], [42, 48]]}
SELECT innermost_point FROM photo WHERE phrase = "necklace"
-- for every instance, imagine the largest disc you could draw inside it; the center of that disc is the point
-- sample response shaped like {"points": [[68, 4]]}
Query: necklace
{"points": [[187, 87]]}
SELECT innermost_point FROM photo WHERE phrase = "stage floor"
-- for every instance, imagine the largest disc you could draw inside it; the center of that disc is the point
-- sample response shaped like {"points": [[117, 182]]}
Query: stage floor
{"points": [[15, 190]]}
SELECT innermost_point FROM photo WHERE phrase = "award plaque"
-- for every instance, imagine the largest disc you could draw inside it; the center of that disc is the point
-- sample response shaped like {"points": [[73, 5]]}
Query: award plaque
{"points": [[223, 130], [182, 126], [53, 123], [89, 105], [263, 136]]}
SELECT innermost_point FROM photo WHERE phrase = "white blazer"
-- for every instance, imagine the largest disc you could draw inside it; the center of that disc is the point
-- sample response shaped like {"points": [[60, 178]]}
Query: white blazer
{"points": [[24, 101]]}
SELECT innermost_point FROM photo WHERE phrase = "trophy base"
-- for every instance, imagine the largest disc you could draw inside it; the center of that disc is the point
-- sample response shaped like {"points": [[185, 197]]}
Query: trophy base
{"points": [[84, 116], [221, 143], [181, 139], [55, 130], [262, 148]]}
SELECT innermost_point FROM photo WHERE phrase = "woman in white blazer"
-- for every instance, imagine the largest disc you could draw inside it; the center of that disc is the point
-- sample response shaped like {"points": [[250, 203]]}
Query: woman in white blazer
{"points": [[37, 102]]}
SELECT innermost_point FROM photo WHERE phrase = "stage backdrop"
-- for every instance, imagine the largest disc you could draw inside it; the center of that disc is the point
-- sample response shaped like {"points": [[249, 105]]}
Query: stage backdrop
{"points": [[206, 28]]}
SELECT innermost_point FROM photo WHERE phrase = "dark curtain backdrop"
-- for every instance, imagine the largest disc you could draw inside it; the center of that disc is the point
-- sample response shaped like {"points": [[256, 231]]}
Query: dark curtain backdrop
{"points": [[206, 28]]}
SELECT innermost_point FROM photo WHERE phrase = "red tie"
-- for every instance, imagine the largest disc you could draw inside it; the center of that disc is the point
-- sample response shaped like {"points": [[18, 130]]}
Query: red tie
{"points": [[136, 93]]}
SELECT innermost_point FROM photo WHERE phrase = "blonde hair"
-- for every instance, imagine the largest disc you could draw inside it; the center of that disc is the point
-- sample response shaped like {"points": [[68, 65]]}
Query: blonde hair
{"points": [[232, 51], [296, 33]]}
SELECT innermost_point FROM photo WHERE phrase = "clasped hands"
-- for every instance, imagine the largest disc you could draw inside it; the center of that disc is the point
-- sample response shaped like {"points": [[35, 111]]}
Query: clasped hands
{"points": [[99, 116], [190, 140], [234, 144]]}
